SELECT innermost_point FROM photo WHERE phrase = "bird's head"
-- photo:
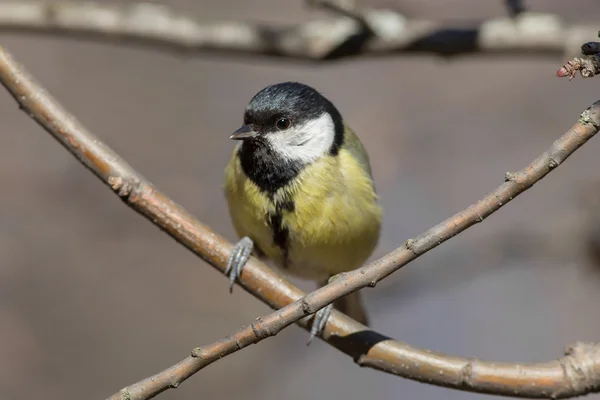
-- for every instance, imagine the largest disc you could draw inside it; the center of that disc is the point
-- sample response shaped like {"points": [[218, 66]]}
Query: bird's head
{"points": [[294, 121]]}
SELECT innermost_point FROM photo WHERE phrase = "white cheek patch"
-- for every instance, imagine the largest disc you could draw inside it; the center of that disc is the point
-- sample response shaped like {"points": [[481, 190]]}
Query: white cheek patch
{"points": [[305, 143]]}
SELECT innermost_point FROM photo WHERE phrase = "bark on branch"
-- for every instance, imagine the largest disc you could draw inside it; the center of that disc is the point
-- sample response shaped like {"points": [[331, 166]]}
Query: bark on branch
{"points": [[588, 66], [577, 373], [366, 32]]}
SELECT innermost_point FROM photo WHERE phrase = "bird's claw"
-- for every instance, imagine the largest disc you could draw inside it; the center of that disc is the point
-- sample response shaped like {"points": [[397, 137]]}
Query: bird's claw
{"points": [[238, 258], [319, 322]]}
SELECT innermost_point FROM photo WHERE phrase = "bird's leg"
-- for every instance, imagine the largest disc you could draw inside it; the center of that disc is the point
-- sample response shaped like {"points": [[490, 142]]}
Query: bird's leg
{"points": [[319, 322], [238, 258], [321, 316]]}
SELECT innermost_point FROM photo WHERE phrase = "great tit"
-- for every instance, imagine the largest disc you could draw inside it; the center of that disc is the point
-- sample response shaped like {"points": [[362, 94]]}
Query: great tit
{"points": [[300, 191]]}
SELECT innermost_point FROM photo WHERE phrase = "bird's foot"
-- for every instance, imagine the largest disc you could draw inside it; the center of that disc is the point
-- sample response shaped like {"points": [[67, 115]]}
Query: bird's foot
{"points": [[238, 258], [319, 322]]}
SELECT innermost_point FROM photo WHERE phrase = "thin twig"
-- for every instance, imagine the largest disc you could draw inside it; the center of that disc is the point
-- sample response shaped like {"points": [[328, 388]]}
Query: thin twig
{"points": [[334, 38], [588, 67], [575, 374]]}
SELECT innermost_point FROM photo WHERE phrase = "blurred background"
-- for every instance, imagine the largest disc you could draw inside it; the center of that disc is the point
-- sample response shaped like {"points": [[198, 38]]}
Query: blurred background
{"points": [[93, 297]]}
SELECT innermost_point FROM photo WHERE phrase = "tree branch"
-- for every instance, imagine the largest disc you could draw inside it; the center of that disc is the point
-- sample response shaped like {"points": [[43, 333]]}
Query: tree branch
{"points": [[575, 374], [368, 32], [588, 67]]}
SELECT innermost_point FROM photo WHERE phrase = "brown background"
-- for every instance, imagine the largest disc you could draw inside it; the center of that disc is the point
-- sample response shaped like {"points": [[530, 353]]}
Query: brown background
{"points": [[93, 297]]}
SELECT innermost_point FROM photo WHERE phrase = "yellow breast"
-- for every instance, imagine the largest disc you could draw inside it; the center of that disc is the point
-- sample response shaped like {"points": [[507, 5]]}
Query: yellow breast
{"points": [[332, 227]]}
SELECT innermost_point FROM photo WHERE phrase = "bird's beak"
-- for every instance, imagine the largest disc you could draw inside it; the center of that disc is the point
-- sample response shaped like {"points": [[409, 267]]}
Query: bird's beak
{"points": [[245, 132]]}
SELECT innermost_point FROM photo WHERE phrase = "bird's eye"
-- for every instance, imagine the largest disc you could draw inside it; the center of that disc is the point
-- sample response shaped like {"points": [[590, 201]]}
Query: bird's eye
{"points": [[283, 124]]}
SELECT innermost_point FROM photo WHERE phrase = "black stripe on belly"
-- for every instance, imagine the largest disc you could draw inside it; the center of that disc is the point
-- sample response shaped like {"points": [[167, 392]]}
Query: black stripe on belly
{"points": [[280, 232]]}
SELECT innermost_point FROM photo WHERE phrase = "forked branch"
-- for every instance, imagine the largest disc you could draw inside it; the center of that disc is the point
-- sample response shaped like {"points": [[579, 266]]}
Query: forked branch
{"points": [[578, 372]]}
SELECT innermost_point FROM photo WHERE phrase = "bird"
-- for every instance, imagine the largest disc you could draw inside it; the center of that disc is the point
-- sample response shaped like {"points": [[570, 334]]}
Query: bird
{"points": [[300, 192]]}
